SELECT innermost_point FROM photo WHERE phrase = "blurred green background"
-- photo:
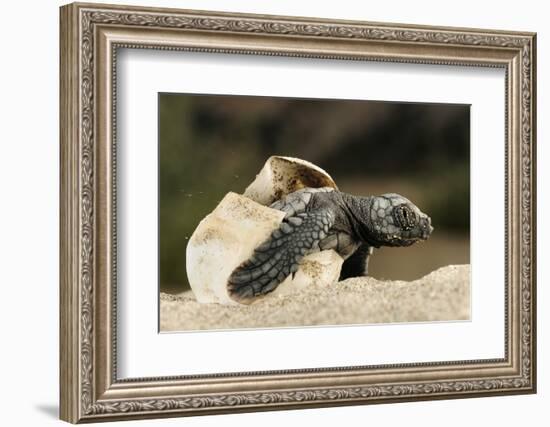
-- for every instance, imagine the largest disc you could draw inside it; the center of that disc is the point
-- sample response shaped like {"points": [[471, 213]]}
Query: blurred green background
{"points": [[212, 144]]}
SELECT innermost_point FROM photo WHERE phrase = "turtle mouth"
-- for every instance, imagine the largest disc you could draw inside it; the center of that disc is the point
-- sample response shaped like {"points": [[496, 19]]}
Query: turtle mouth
{"points": [[426, 228], [427, 232]]}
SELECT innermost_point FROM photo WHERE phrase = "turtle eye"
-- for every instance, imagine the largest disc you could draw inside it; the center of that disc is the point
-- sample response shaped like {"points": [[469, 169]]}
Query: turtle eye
{"points": [[405, 217]]}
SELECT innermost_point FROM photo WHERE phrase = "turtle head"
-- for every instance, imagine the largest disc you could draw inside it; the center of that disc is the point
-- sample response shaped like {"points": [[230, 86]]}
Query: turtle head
{"points": [[396, 221]]}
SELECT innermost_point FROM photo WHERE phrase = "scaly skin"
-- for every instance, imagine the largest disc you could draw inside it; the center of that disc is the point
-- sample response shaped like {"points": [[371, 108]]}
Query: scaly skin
{"points": [[324, 218]]}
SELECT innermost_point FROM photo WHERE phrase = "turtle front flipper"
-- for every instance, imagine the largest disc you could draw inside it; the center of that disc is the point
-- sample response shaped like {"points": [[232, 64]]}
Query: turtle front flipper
{"points": [[279, 255], [357, 264]]}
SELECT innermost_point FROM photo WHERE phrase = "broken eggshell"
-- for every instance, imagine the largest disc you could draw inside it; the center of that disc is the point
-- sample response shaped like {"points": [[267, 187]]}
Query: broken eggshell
{"points": [[283, 175], [228, 236]]}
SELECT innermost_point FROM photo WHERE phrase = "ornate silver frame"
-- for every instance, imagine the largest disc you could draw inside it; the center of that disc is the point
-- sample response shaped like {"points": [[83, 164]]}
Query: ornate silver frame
{"points": [[90, 36]]}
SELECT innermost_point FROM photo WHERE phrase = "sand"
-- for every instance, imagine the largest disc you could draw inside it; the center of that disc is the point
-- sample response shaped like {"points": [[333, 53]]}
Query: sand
{"points": [[441, 295]]}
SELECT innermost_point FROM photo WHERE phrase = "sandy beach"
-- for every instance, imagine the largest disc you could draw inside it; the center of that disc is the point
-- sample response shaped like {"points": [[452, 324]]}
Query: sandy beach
{"points": [[439, 296]]}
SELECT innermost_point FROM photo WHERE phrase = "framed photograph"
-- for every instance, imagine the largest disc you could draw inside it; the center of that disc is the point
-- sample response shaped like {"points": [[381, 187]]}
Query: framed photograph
{"points": [[266, 212]]}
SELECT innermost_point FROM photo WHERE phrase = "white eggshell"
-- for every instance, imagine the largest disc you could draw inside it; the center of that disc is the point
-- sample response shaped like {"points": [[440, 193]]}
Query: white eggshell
{"points": [[283, 175], [228, 236]]}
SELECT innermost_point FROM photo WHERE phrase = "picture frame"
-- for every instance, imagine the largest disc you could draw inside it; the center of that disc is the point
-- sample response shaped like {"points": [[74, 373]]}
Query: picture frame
{"points": [[91, 35]]}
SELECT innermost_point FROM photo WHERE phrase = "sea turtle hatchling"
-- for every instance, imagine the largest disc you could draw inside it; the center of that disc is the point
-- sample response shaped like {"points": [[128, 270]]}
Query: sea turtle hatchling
{"points": [[324, 218]]}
